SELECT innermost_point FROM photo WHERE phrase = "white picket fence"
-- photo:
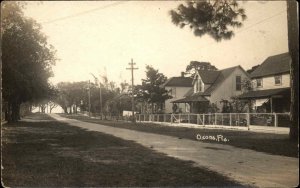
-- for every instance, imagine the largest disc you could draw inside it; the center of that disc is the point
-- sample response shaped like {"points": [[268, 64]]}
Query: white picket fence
{"points": [[227, 119]]}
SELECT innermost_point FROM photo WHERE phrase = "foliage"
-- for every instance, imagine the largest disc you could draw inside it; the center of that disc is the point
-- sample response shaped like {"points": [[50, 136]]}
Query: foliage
{"points": [[72, 95], [215, 18], [249, 71], [75, 95], [196, 65], [247, 85], [150, 90], [27, 59], [212, 108]]}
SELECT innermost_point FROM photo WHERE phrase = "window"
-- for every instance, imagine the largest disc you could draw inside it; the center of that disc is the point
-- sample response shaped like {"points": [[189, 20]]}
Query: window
{"points": [[259, 82], [199, 85], [238, 83], [277, 79]]}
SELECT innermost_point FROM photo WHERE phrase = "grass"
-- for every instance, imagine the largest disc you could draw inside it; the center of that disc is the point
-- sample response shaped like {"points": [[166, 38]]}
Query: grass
{"points": [[275, 144], [51, 153]]}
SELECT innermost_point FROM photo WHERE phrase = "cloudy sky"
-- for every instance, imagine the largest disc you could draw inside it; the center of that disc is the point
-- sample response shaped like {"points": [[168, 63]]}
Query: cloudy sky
{"points": [[101, 38]]}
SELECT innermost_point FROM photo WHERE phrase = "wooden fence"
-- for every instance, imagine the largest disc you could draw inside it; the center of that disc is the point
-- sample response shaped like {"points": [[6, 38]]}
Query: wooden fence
{"points": [[229, 119]]}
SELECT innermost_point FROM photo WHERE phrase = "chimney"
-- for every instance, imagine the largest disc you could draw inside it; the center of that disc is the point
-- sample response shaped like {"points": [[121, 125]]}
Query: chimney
{"points": [[182, 74]]}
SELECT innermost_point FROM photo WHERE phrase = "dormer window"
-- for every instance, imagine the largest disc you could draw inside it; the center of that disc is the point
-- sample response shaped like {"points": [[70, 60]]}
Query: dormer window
{"points": [[199, 85], [278, 80]]}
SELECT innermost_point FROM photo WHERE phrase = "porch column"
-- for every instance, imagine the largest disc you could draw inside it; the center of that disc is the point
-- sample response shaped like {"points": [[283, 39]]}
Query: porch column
{"points": [[271, 104]]}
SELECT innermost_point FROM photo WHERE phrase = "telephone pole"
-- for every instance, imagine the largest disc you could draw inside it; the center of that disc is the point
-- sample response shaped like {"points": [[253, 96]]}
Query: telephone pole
{"points": [[132, 85], [89, 92], [100, 94]]}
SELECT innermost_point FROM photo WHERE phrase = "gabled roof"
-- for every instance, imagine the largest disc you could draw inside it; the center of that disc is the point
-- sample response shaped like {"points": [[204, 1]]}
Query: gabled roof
{"points": [[264, 93], [273, 65], [208, 77], [189, 93], [215, 79], [178, 82], [223, 74]]}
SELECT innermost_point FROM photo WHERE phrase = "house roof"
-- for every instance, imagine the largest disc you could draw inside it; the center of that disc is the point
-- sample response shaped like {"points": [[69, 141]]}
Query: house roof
{"points": [[178, 82], [223, 74], [189, 93], [264, 93], [215, 78], [208, 77], [273, 65], [193, 98]]}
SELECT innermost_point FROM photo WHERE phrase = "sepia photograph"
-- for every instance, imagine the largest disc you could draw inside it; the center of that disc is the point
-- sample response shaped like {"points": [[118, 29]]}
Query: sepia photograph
{"points": [[141, 93]]}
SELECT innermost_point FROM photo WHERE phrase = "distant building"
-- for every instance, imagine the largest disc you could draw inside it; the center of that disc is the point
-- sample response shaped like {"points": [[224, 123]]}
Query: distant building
{"points": [[212, 87], [177, 87], [271, 85]]}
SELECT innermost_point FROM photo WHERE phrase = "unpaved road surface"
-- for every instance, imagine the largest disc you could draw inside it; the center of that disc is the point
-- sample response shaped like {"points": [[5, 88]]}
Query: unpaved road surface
{"points": [[243, 165]]}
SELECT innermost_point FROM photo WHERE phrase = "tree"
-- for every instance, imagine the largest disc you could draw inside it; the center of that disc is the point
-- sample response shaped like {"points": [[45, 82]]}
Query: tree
{"points": [[252, 69], [72, 95], [215, 18], [150, 90], [27, 59], [52, 105], [196, 65], [293, 38]]}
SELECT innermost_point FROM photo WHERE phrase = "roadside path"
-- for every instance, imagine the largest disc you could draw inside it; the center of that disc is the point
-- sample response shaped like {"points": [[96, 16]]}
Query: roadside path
{"points": [[243, 165]]}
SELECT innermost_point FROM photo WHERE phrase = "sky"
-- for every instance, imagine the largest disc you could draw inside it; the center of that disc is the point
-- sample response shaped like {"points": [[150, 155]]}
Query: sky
{"points": [[102, 37]]}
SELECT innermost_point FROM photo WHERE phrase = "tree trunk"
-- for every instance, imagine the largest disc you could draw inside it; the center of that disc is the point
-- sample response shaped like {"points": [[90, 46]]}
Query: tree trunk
{"points": [[15, 114], [65, 110], [293, 38], [8, 112]]}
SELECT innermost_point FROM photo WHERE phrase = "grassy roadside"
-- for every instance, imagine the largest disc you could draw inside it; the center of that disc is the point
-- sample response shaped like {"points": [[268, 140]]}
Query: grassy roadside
{"points": [[264, 142], [50, 153]]}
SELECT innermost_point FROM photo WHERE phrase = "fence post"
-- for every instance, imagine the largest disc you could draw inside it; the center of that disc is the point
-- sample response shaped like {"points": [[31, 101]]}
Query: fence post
{"points": [[275, 120], [164, 117], [222, 119], [203, 120], [171, 118], [230, 119], [248, 121], [189, 118], [215, 118], [198, 117], [179, 117]]}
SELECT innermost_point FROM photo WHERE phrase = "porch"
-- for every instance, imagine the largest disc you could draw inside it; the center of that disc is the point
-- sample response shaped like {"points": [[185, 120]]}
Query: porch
{"points": [[196, 103], [269, 101]]}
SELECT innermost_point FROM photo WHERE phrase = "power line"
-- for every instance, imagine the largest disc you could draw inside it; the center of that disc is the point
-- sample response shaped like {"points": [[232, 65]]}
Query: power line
{"points": [[257, 23], [84, 12], [261, 21]]}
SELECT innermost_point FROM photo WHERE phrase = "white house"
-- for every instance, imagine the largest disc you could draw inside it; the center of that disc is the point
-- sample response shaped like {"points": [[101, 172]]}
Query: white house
{"points": [[271, 85], [212, 87], [177, 88]]}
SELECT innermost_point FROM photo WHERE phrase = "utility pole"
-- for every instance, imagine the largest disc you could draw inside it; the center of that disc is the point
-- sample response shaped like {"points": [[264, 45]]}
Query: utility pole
{"points": [[100, 98], [89, 92], [100, 93], [132, 84]]}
